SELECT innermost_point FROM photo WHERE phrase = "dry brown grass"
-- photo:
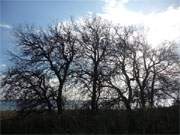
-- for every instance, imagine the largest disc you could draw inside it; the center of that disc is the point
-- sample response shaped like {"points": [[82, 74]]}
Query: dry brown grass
{"points": [[7, 114]]}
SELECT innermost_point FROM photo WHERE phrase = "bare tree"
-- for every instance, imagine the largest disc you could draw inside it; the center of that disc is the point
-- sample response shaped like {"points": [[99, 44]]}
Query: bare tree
{"points": [[51, 51], [30, 89], [164, 73], [149, 66], [139, 69], [111, 65], [94, 39], [119, 77]]}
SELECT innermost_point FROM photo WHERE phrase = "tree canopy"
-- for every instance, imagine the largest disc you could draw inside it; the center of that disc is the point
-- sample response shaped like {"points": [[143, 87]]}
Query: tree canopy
{"points": [[110, 65]]}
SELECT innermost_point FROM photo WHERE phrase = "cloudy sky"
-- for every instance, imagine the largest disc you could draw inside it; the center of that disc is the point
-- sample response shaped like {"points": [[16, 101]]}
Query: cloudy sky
{"points": [[160, 18]]}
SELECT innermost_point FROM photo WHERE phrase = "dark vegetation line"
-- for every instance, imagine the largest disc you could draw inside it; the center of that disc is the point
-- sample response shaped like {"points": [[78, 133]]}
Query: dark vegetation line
{"points": [[155, 121]]}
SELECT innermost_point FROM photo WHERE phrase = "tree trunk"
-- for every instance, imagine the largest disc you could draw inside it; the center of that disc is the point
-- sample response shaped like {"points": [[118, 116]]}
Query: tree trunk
{"points": [[60, 100], [152, 99], [94, 102], [152, 90], [49, 106], [94, 105], [142, 99]]}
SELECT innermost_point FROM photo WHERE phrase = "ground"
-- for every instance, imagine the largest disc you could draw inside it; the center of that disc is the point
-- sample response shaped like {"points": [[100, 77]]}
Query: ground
{"points": [[161, 120]]}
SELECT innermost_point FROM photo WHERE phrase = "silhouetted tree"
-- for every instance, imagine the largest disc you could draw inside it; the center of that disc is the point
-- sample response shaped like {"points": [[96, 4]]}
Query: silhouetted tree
{"points": [[109, 63], [95, 40], [30, 89], [149, 67], [165, 71], [50, 51], [120, 74], [139, 70]]}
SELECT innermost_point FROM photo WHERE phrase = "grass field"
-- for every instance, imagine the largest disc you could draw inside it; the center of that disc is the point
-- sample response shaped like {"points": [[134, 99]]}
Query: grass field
{"points": [[162, 120]]}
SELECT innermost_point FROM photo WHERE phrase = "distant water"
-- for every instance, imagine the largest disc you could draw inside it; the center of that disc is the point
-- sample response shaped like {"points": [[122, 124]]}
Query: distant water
{"points": [[7, 105]]}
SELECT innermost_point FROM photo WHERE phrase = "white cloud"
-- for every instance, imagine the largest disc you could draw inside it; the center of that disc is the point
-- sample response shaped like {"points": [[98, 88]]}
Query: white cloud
{"points": [[54, 82], [160, 26], [3, 65], [5, 26]]}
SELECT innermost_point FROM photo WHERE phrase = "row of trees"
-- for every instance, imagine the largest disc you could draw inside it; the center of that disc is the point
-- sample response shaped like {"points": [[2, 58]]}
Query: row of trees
{"points": [[109, 64]]}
